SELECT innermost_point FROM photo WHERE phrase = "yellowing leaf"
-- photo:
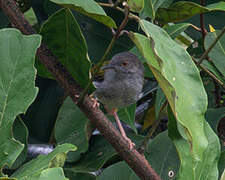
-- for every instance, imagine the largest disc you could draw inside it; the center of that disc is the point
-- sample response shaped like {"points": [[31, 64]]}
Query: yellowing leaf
{"points": [[211, 28]]}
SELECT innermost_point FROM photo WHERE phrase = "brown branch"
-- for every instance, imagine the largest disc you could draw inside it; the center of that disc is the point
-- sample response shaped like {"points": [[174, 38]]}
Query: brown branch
{"points": [[135, 160], [203, 30]]}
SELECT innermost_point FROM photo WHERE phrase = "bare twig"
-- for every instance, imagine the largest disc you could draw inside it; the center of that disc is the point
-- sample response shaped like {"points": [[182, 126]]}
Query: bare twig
{"points": [[209, 73], [155, 124], [130, 16], [204, 55], [203, 30], [115, 37], [135, 160]]}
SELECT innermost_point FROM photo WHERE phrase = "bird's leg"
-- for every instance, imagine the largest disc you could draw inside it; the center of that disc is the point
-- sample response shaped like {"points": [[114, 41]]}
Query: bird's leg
{"points": [[131, 144]]}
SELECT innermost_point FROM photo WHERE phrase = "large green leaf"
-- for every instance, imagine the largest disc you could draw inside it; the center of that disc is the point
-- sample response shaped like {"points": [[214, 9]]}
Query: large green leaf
{"points": [[180, 80], [72, 126], [97, 35], [163, 157], [183, 10], [63, 36], [217, 54], [89, 8], [207, 169], [17, 86], [118, 171], [36, 168]]}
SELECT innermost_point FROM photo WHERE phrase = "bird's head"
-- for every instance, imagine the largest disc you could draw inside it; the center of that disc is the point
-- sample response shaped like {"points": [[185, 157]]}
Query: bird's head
{"points": [[125, 63]]}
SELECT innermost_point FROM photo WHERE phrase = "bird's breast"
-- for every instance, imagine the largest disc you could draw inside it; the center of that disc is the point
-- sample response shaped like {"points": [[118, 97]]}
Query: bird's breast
{"points": [[120, 93]]}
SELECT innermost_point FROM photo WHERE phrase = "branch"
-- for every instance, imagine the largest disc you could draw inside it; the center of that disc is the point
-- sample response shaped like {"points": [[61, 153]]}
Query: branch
{"points": [[211, 46], [203, 30], [130, 16], [135, 160]]}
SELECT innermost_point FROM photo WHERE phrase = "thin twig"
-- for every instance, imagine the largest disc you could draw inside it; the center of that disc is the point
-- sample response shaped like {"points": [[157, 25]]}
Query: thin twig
{"points": [[209, 73], [203, 30], [134, 159], [130, 16], [156, 123], [108, 50], [196, 28], [211, 46]]}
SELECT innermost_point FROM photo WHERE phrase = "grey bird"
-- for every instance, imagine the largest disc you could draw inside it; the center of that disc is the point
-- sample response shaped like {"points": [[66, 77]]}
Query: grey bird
{"points": [[122, 85]]}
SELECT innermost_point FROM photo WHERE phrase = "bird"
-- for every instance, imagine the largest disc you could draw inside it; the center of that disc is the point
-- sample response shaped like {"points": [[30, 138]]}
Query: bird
{"points": [[121, 86]]}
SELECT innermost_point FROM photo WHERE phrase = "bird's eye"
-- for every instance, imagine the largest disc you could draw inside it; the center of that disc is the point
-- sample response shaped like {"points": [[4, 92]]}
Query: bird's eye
{"points": [[125, 63]]}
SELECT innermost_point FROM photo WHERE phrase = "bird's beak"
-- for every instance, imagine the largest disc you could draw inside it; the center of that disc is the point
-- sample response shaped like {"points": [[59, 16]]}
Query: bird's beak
{"points": [[109, 66]]}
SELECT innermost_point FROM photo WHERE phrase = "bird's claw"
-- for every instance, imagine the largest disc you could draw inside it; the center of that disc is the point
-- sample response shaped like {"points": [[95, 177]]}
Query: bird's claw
{"points": [[130, 143], [95, 103]]}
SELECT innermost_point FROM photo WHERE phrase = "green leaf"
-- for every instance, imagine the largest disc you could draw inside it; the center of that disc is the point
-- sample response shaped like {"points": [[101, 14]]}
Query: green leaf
{"points": [[99, 153], [159, 102], [97, 35], [163, 157], [213, 116], [175, 29], [35, 169], [118, 171], [182, 146], [72, 126], [89, 8], [217, 53], [151, 6], [183, 10], [68, 44], [20, 133], [181, 83], [208, 168], [78, 175], [135, 5], [147, 71], [214, 70], [127, 115], [52, 174], [17, 86], [221, 164], [182, 99]]}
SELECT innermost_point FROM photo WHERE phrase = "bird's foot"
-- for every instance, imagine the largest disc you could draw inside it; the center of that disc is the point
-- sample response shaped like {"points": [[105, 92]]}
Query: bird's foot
{"points": [[130, 143], [95, 103]]}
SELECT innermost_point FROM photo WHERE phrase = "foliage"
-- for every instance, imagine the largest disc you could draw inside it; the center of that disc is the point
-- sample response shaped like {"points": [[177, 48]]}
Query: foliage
{"points": [[185, 90]]}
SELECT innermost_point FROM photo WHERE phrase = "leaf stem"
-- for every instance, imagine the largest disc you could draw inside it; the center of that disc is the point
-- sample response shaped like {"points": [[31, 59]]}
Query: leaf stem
{"points": [[108, 50], [211, 46]]}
